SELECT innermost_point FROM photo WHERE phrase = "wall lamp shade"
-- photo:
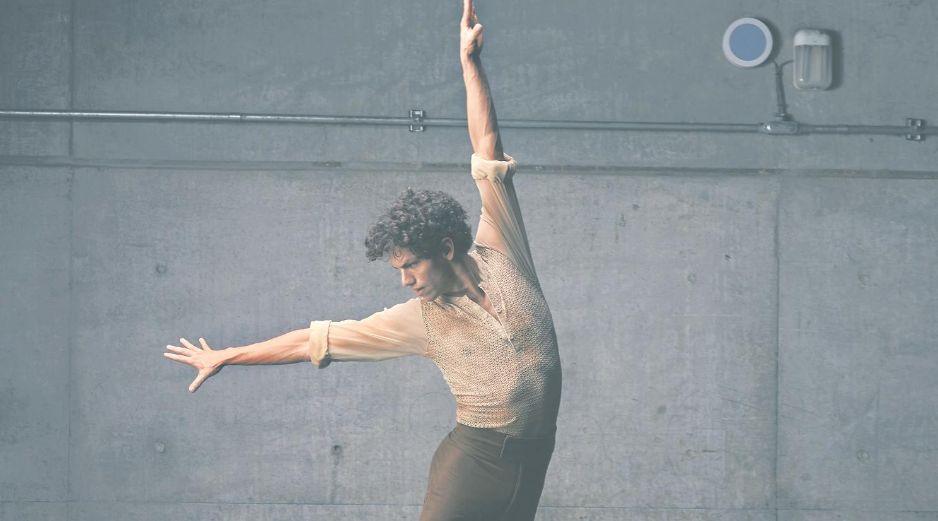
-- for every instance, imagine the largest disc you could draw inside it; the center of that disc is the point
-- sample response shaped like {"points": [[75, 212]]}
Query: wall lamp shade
{"points": [[747, 42], [813, 60]]}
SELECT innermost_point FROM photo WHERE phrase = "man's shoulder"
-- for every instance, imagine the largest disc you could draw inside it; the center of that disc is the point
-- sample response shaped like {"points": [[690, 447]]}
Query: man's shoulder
{"points": [[498, 263]]}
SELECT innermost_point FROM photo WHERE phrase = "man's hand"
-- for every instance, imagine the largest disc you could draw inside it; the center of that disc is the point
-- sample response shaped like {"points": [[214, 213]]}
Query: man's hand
{"points": [[205, 360], [470, 32]]}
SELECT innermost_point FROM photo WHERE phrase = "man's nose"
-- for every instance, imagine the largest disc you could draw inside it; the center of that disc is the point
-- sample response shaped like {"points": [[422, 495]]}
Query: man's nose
{"points": [[406, 280]]}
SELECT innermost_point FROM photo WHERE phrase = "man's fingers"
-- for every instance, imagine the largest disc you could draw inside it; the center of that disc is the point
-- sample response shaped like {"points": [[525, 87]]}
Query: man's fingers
{"points": [[476, 35], [194, 386], [189, 344], [204, 344], [181, 350], [178, 358], [467, 11]]}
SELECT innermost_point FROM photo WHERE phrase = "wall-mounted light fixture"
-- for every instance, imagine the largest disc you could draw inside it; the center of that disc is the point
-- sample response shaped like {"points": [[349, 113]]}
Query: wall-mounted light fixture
{"points": [[813, 60], [747, 42]]}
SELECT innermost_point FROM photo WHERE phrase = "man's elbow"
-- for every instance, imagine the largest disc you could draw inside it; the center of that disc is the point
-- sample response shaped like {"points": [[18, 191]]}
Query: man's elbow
{"points": [[489, 147]]}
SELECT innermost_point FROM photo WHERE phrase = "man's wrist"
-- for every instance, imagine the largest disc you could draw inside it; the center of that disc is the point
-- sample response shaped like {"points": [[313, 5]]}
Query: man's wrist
{"points": [[226, 355], [470, 61]]}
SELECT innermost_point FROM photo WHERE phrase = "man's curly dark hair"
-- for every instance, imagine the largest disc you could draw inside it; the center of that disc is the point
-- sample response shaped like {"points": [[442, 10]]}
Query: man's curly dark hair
{"points": [[419, 221]]}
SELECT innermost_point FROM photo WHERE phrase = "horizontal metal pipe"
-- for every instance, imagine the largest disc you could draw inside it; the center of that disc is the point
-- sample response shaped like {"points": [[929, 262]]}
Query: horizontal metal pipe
{"points": [[601, 125], [635, 125], [867, 129], [452, 122], [361, 120], [200, 117]]}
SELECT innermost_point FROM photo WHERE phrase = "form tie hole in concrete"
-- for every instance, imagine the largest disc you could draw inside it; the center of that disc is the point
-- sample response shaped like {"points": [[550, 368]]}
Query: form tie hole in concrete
{"points": [[863, 456], [160, 447], [161, 269], [864, 279]]}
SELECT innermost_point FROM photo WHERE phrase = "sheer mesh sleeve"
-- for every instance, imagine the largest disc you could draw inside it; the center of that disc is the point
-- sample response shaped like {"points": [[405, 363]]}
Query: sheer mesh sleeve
{"points": [[394, 332], [501, 226]]}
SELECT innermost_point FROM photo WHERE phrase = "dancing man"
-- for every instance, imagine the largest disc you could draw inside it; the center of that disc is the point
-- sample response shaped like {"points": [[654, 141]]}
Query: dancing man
{"points": [[478, 313]]}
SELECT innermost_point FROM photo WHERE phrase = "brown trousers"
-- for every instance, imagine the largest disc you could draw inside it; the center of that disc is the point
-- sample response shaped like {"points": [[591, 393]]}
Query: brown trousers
{"points": [[484, 475]]}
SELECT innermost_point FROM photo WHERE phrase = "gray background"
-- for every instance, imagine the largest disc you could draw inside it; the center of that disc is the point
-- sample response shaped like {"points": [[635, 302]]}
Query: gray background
{"points": [[746, 322]]}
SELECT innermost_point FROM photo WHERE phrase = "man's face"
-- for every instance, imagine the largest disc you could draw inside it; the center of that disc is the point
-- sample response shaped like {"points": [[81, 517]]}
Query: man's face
{"points": [[428, 278]]}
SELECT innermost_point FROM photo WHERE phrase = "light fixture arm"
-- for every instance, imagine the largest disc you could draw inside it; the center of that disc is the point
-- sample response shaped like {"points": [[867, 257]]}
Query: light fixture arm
{"points": [[783, 122], [781, 112]]}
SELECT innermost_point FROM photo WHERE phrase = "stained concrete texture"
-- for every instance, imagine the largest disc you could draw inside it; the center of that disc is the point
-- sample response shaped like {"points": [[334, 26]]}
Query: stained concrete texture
{"points": [[633, 63], [35, 223], [744, 320], [857, 334], [35, 61]]}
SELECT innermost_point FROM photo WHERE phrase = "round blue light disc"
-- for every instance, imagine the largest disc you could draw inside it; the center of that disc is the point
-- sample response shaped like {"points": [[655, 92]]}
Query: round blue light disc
{"points": [[747, 42]]}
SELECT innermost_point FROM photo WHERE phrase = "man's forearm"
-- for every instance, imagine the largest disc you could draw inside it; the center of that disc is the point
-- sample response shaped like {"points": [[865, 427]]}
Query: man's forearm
{"points": [[480, 111], [288, 348]]}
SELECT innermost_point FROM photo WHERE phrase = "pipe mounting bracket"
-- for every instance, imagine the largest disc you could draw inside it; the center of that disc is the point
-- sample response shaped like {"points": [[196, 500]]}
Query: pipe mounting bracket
{"points": [[416, 120], [915, 124]]}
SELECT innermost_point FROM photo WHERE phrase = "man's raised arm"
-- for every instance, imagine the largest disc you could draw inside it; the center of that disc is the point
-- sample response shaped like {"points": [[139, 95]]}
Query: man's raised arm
{"points": [[480, 112], [501, 226]]}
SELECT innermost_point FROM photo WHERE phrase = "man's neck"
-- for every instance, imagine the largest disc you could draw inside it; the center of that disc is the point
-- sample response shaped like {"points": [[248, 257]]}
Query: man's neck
{"points": [[466, 279]]}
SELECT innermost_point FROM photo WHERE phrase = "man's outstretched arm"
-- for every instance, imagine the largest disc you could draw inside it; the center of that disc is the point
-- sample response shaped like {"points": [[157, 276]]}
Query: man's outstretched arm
{"points": [[397, 331], [480, 112], [288, 348]]}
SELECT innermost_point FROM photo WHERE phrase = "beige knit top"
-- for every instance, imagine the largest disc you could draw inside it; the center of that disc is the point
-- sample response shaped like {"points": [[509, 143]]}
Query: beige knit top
{"points": [[504, 373]]}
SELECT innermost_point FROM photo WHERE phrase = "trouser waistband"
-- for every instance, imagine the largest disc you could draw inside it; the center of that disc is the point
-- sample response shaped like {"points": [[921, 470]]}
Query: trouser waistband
{"points": [[494, 445]]}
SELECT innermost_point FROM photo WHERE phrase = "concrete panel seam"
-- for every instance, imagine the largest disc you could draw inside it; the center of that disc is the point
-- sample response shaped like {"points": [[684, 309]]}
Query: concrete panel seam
{"points": [[365, 504], [71, 76], [69, 342], [858, 511], [778, 307]]}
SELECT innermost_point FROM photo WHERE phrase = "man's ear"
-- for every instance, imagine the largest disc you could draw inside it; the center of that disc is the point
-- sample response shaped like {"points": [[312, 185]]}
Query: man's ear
{"points": [[448, 249]]}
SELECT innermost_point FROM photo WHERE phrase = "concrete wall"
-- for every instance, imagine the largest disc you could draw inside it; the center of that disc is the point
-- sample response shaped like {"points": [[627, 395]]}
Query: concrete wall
{"points": [[746, 322]]}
